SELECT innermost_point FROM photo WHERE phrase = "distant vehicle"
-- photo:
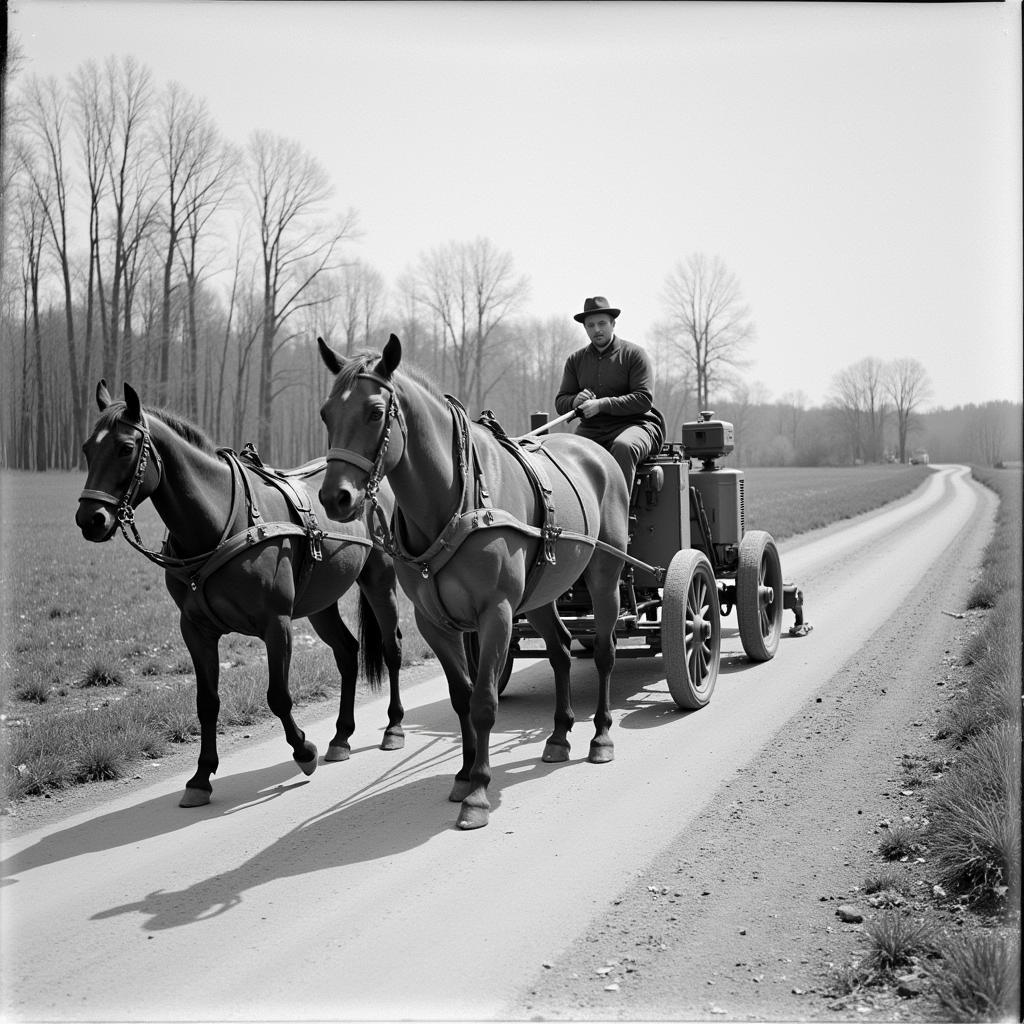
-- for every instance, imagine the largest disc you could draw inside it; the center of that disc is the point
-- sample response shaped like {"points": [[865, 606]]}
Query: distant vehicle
{"points": [[919, 457]]}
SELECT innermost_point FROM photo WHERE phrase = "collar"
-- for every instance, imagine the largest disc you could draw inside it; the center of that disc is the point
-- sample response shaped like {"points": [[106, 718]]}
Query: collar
{"points": [[608, 350]]}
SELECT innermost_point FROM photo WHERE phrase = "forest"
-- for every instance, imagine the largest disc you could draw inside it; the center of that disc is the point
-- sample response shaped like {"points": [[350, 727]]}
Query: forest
{"points": [[141, 245]]}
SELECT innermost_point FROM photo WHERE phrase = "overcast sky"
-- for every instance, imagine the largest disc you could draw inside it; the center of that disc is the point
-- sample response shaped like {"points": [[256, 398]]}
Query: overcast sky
{"points": [[858, 167]]}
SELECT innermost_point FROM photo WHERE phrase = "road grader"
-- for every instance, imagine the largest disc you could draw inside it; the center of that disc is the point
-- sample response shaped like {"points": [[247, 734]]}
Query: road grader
{"points": [[690, 561]]}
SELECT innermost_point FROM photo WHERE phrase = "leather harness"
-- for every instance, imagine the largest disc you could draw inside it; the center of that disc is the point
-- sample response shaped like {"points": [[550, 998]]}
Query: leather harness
{"points": [[195, 570], [474, 511]]}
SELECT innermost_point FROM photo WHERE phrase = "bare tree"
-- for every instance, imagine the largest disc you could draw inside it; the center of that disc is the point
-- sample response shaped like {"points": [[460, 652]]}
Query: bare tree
{"points": [[289, 189], [124, 97], [86, 95], [33, 230], [907, 384], [709, 320], [470, 287], [674, 389], [857, 400], [46, 117], [987, 434], [791, 408]]}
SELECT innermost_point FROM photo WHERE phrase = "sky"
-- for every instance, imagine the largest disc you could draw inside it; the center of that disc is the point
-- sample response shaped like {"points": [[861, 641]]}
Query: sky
{"points": [[856, 166]]}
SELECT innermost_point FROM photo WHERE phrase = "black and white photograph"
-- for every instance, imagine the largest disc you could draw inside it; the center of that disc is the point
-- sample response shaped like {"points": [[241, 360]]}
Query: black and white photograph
{"points": [[510, 511]]}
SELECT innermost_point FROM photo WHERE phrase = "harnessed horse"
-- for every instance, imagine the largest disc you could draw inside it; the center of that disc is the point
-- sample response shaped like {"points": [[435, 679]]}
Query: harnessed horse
{"points": [[482, 529], [244, 553]]}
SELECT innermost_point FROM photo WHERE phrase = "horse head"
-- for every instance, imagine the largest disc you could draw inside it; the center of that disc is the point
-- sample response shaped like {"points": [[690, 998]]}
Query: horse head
{"points": [[359, 414], [122, 466]]}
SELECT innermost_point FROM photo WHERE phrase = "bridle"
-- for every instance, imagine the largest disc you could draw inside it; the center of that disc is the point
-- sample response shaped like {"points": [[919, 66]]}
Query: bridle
{"points": [[374, 468], [124, 507]]}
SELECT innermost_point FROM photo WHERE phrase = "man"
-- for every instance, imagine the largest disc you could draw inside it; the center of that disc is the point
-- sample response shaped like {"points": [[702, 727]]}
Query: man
{"points": [[608, 383]]}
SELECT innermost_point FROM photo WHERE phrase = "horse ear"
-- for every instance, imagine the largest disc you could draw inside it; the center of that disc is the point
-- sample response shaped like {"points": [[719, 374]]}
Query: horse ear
{"points": [[331, 358], [131, 399], [103, 398], [391, 356]]}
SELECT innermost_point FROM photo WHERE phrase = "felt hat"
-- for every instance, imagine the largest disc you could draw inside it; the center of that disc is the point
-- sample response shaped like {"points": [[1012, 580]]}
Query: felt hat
{"points": [[598, 304]]}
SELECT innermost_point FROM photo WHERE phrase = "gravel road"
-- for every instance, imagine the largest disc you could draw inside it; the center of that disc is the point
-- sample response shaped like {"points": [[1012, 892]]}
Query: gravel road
{"points": [[697, 877]]}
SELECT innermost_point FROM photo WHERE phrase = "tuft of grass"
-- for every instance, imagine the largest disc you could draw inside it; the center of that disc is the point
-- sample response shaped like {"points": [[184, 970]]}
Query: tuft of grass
{"points": [[35, 690], [979, 979], [100, 756], [974, 814], [897, 842], [848, 979], [887, 879], [993, 692], [99, 673], [243, 699], [895, 940]]}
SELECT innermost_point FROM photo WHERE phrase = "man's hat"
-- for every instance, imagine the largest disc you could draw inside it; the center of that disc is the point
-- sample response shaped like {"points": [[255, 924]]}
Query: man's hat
{"points": [[598, 304]]}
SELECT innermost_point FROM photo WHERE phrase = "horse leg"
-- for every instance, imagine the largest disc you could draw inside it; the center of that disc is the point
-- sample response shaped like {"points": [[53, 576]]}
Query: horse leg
{"points": [[557, 640], [330, 627], [451, 655], [494, 630], [602, 578], [278, 641], [203, 648], [378, 588]]}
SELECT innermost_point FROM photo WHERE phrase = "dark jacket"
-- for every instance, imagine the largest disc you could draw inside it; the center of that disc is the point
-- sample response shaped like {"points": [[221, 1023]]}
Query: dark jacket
{"points": [[621, 378]]}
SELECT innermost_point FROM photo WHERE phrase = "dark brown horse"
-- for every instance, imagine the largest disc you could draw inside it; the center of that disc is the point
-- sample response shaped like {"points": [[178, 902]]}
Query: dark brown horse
{"points": [[244, 554], [482, 530]]}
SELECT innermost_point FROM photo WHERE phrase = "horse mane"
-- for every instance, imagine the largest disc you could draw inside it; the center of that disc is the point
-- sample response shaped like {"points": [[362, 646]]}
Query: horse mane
{"points": [[362, 362], [184, 428]]}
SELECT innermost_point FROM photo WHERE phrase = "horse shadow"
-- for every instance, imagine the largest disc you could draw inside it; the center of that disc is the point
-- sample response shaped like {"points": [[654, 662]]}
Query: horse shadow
{"points": [[152, 818], [376, 823]]}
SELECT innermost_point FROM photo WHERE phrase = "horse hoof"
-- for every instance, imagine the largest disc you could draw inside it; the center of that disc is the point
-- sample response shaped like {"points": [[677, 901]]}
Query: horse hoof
{"points": [[338, 752], [392, 741], [601, 753], [460, 790], [555, 753], [309, 766], [194, 798], [473, 817]]}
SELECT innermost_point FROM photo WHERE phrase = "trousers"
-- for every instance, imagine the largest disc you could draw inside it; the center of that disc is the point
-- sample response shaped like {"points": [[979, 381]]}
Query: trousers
{"points": [[629, 447]]}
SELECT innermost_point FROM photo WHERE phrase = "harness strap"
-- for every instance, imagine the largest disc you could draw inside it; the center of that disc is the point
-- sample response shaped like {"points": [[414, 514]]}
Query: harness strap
{"points": [[297, 499], [347, 455]]}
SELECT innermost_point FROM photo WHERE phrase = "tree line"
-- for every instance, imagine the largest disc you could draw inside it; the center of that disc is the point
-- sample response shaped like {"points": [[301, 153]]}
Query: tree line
{"points": [[143, 245]]}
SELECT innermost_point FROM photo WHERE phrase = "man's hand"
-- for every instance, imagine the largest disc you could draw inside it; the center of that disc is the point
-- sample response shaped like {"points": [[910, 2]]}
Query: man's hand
{"points": [[585, 395], [589, 407]]}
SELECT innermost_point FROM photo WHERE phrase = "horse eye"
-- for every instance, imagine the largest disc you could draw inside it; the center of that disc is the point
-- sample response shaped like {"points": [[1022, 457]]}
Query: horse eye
{"points": [[376, 414], [125, 448]]}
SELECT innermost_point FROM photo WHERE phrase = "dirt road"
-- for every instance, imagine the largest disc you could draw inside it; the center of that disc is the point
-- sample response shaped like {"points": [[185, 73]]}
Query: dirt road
{"points": [[693, 877]]}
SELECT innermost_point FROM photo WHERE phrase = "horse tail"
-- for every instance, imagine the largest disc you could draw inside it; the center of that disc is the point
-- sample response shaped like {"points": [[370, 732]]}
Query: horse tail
{"points": [[371, 644]]}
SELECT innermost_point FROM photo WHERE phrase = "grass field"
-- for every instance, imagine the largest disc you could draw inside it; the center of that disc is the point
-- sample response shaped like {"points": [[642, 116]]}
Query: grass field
{"points": [[90, 629]]}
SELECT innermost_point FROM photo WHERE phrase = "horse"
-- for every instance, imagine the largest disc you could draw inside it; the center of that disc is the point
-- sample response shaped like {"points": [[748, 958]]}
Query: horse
{"points": [[244, 553], [482, 529]]}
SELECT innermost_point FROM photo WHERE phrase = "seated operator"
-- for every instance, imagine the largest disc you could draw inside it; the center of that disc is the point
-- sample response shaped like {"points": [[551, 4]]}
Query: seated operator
{"points": [[608, 383]]}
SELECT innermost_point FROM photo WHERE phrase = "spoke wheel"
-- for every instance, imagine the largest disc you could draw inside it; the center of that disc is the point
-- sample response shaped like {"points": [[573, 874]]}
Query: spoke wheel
{"points": [[759, 595], [691, 629]]}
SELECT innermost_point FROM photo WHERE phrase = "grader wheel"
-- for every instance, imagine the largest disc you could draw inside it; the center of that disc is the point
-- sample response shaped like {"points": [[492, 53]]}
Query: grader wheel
{"points": [[759, 595], [690, 629]]}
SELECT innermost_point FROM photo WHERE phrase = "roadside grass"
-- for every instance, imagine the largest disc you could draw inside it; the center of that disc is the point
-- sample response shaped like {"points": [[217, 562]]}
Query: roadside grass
{"points": [[886, 879], [899, 842], [980, 979], [970, 842], [895, 940], [95, 675]]}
